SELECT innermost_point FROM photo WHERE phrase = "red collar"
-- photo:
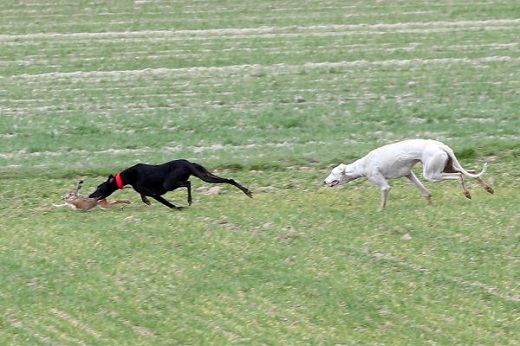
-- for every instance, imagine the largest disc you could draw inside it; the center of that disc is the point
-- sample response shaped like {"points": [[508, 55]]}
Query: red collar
{"points": [[119, 181]]}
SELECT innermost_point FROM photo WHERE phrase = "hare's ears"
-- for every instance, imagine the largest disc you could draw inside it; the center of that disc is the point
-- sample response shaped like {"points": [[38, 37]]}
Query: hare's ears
{"points": [[79, 185]]}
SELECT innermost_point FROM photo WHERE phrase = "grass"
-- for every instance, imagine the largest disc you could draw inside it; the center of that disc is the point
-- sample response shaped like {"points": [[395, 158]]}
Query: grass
{"points": [[339, 272], [272, 95]]}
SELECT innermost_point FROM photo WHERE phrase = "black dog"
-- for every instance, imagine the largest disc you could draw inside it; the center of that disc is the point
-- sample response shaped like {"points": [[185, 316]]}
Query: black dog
{"points": [[155, 180]]}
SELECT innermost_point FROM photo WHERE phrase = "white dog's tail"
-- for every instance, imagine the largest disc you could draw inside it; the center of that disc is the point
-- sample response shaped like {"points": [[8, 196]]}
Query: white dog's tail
{"points": [[474, 175], [458, 166]]}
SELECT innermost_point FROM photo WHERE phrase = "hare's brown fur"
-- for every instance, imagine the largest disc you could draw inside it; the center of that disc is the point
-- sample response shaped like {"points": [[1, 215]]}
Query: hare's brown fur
{"points": [[77, 202]]}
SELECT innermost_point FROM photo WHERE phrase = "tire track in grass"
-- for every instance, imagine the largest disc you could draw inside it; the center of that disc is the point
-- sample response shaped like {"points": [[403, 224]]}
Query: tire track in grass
{"points": [[218, 72], [55, 90], [256, 68], [76, 322], [385, 257], [137, 329], [46, 331], [296, 14], [61, 83], [60, 335], [241, 310], [442, 26], [15, 322], [144, 150], [241, 38]]}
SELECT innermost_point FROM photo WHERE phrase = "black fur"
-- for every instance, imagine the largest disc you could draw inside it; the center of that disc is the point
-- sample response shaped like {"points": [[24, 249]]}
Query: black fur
{"points": [[155, 180]]}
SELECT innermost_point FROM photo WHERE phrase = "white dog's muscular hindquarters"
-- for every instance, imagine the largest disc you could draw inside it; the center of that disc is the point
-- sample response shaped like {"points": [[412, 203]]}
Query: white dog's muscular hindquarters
{"points": [[397, 160]]}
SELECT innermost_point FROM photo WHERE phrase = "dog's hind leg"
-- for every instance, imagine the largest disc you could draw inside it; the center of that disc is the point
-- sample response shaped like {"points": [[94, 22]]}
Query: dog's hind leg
{"points": [[413, 178], [186, 184], [173, 184], [450, 176], [450, 172], [211, 178], [188, 187], [204, 175], [145, 200], [483, 183], [464, 189], [159, 199], [242, 188], [439, 167], [165, 202]]}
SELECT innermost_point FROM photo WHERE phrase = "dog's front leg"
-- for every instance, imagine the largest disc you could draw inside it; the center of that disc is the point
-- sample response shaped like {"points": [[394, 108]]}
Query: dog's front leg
{"points": [[385, 191], [378, 179], [413, 178]]}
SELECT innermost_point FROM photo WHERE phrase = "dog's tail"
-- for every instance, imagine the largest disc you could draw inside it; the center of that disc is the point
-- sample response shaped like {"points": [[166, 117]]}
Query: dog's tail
{"points": [[458, 166], [203, 174]]}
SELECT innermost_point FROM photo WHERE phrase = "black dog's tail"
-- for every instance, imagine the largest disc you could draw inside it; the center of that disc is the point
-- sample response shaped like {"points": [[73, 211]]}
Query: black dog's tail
{"points": [[204, 175]]}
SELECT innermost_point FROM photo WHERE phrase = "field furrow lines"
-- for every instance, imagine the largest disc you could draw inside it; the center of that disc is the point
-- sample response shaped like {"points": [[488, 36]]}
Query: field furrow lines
{"points": [[488, 289], [140, 330], [75, 322], [164, 150], [291, 31], [277, 68], [16, 323]]}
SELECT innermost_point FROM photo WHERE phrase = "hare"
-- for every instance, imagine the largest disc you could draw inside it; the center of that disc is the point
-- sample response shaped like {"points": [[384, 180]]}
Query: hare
{"points": [[77, 202]]}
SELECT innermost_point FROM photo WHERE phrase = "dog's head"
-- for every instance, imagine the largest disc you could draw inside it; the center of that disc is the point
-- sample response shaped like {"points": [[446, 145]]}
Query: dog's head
{"points": [[105, 189], [340, 174]]}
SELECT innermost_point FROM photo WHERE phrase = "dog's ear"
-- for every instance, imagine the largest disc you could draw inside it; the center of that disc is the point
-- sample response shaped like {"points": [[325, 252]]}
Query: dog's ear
{"points": [[110, 178], [342, 168]]}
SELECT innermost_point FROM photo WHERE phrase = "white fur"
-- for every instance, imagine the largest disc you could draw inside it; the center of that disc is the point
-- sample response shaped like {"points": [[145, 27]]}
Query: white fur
{"points": [[397, 159]]}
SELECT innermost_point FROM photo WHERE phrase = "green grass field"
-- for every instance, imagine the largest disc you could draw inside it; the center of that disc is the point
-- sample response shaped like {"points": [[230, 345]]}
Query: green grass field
{"points": [[272, 94]]}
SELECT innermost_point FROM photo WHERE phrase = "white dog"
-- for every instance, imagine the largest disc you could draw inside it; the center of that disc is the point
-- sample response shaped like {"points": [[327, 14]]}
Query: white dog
{"points": [[397, 159]]}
